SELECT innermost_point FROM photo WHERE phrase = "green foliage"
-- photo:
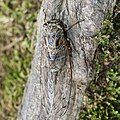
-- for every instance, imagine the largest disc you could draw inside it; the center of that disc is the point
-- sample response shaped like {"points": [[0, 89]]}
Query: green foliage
{"points": [[103, 93], [17, 37]]}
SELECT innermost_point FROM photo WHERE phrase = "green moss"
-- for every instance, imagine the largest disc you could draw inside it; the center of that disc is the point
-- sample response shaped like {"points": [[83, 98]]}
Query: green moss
{"points": [[103, 93], [17, 26]]}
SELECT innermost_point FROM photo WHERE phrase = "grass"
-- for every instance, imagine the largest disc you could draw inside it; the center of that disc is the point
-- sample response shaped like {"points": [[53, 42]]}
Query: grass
{"points": [[17, 39], [17, 29]]}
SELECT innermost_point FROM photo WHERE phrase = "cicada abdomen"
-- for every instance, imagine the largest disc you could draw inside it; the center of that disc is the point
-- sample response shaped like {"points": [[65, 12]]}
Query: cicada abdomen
{"points": [[55, 40]]}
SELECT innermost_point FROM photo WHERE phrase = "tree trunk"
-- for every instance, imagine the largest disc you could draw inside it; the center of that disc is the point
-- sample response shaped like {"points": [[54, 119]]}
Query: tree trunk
{"points": [[62, 64]]}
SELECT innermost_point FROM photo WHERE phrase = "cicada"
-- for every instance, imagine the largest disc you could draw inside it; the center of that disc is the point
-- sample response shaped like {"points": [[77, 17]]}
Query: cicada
{"points": [[55, 39]]}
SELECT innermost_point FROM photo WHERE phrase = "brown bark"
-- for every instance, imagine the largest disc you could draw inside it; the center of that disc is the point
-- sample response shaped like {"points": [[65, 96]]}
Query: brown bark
{"points": [[58, 95]]}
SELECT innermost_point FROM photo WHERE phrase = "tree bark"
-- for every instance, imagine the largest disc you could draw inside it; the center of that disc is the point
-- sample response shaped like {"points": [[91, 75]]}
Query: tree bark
{"points": [[55, 88]]}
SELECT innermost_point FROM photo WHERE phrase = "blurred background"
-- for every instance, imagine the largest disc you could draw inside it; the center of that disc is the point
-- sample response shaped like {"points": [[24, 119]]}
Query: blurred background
{"points": [[17, 43]]}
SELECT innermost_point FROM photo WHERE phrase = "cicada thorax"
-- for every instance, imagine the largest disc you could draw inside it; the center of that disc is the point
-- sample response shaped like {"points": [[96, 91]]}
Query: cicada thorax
{"points": [[55, 40]]}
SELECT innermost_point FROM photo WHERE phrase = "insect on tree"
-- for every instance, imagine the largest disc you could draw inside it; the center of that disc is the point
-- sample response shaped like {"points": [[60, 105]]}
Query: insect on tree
{"points": [[59, 62]]}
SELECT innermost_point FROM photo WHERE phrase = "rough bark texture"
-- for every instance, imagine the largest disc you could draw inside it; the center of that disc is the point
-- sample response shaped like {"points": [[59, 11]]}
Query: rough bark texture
{"points": [[58, 94]]}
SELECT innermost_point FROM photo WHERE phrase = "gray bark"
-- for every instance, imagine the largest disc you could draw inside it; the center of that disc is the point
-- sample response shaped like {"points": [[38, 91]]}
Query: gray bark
{"points": [[59, 95]]}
